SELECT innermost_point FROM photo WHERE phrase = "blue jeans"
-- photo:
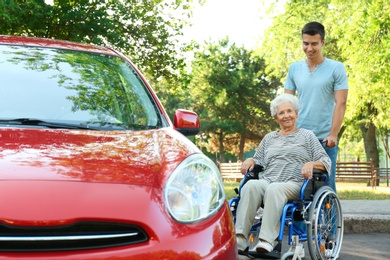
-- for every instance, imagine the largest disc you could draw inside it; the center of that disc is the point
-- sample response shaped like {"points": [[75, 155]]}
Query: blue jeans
{"points": [[332, 153]]}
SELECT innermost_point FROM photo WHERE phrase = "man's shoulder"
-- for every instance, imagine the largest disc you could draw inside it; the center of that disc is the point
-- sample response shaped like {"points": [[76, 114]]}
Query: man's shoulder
{"points": [[338, 70], [334, 62], [298, 63]]}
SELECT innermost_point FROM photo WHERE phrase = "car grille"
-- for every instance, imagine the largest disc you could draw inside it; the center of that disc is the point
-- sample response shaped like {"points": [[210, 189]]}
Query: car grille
{"points": [[78, 236]]}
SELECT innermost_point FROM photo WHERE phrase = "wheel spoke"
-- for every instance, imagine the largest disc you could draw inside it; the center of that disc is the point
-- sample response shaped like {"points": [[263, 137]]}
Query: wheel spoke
{"points": [[326, 225]]}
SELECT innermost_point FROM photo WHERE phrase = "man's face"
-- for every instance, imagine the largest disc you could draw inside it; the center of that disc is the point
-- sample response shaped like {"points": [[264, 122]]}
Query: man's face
{"points": [[312, 45]]}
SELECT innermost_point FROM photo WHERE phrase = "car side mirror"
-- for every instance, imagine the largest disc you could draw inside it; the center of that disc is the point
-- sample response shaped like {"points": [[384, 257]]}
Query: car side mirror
{"points": [[186, 122]]}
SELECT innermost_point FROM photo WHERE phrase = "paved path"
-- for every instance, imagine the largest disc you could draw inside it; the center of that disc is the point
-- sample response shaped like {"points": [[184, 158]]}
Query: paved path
{"points": [[367, 246], [365, 216], [366, 230]]}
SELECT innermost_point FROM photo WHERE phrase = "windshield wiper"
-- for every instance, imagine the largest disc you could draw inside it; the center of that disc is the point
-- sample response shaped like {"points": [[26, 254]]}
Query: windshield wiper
{"points": [[49, 124], [87, 125]]}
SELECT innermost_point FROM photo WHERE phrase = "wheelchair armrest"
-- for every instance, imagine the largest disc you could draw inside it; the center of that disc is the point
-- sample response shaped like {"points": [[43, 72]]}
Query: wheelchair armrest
{"points": [[254, 173], [251, 175], [310, 186], [258, 168], [320, 173]]}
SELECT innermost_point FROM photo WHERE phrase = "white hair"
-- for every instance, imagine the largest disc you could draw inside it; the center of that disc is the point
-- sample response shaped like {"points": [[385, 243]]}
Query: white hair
{"points": [[281, 99]]}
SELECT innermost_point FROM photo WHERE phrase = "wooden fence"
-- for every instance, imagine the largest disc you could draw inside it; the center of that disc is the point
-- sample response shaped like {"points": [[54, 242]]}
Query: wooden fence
{"points": [[384, 175], [345, 171], [351, 171], [231, 171]]}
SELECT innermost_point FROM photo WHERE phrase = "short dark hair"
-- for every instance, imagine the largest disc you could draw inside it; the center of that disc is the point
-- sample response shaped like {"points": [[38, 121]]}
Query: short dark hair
{"points": [[314, 28]]}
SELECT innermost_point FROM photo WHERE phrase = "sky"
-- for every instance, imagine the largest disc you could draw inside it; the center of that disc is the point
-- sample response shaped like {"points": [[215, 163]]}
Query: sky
{"points": [[243, 21]]}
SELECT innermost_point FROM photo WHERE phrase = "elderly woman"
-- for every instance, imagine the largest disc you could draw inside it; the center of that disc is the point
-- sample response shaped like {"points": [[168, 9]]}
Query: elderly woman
{"points": [[288, 157]]}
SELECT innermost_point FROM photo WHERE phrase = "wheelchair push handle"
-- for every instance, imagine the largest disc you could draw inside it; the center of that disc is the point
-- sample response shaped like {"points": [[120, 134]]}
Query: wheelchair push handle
{"points": [[324, 144]]}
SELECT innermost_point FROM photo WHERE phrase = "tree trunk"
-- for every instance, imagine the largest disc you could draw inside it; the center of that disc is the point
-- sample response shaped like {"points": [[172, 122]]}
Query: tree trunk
{"points": [[241, 147], [370, 145], [385, 142], [341, 132], [221, 148]]}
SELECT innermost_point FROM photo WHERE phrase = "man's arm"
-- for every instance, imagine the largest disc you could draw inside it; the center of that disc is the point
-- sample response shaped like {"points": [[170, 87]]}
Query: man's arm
{"points": [[340, 97]]}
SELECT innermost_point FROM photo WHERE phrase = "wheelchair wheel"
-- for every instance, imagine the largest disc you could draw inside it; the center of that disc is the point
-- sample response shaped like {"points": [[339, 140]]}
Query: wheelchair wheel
{"points": [[326, 226]]}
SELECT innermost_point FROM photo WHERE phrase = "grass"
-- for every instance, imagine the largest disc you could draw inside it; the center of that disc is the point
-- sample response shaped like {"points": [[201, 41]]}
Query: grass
{"points": [[345, 191], [360, 191]]}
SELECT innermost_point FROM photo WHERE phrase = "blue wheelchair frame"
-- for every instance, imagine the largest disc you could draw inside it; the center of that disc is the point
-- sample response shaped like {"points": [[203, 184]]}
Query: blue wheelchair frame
{"points": [[299, 210]]}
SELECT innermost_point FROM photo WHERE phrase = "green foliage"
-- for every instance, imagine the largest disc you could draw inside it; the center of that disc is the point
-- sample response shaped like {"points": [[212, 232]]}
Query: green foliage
{"points": [[231, 92], [282, 40], [365, 48], [145, 30], [173, 94], [362, 195], [358, 35], [367, 58], [99, 88]]}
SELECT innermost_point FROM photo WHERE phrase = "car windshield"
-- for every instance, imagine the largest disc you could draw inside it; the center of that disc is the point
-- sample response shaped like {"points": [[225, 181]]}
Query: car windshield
{"points": [[69, 89]]}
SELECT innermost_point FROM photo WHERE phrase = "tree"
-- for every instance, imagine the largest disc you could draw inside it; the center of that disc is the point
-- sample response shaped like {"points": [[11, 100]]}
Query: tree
{"points": [[144, 30], [358, 35], [282, 42], [367, 58], [231, 92]]}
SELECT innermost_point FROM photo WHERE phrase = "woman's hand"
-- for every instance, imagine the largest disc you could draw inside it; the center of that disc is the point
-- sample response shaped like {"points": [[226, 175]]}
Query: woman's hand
{"points": [[307, 170], [248, 164]]}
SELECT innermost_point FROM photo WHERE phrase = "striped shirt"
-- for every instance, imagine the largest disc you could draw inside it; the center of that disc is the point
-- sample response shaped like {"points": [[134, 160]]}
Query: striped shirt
{"points": [[284, 156]]}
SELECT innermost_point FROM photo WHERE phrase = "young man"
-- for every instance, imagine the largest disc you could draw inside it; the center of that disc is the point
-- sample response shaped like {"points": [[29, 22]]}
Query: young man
{"points": [[322, 87]]}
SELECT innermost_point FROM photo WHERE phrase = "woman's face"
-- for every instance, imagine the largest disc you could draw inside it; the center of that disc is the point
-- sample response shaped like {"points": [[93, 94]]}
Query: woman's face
{"points": [[286, 115]]}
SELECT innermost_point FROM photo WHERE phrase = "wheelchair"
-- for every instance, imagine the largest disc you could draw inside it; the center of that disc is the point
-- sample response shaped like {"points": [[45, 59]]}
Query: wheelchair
{"points": [[316, 218]]}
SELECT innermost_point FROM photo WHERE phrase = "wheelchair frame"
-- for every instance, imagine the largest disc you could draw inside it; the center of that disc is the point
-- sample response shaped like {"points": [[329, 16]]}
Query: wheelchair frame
{"points": [[319, 209]]}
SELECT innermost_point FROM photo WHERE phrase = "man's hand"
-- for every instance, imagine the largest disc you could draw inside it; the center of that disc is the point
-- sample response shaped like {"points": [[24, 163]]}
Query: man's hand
{"points": [[331, 141]]}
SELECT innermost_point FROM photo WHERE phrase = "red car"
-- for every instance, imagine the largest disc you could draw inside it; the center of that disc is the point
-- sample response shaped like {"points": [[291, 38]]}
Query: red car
{"points": [[91, 167]]}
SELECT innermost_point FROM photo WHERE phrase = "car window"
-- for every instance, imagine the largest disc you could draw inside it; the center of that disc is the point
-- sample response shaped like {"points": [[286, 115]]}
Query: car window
{"points": [[55, 85]]}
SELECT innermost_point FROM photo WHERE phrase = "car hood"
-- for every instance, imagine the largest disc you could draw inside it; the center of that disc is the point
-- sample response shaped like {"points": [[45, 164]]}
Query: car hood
{"points": [[132, 157]]}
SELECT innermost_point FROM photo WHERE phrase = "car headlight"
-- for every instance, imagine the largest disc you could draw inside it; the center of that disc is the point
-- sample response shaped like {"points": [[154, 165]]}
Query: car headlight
{"points": [[194, 191]]}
